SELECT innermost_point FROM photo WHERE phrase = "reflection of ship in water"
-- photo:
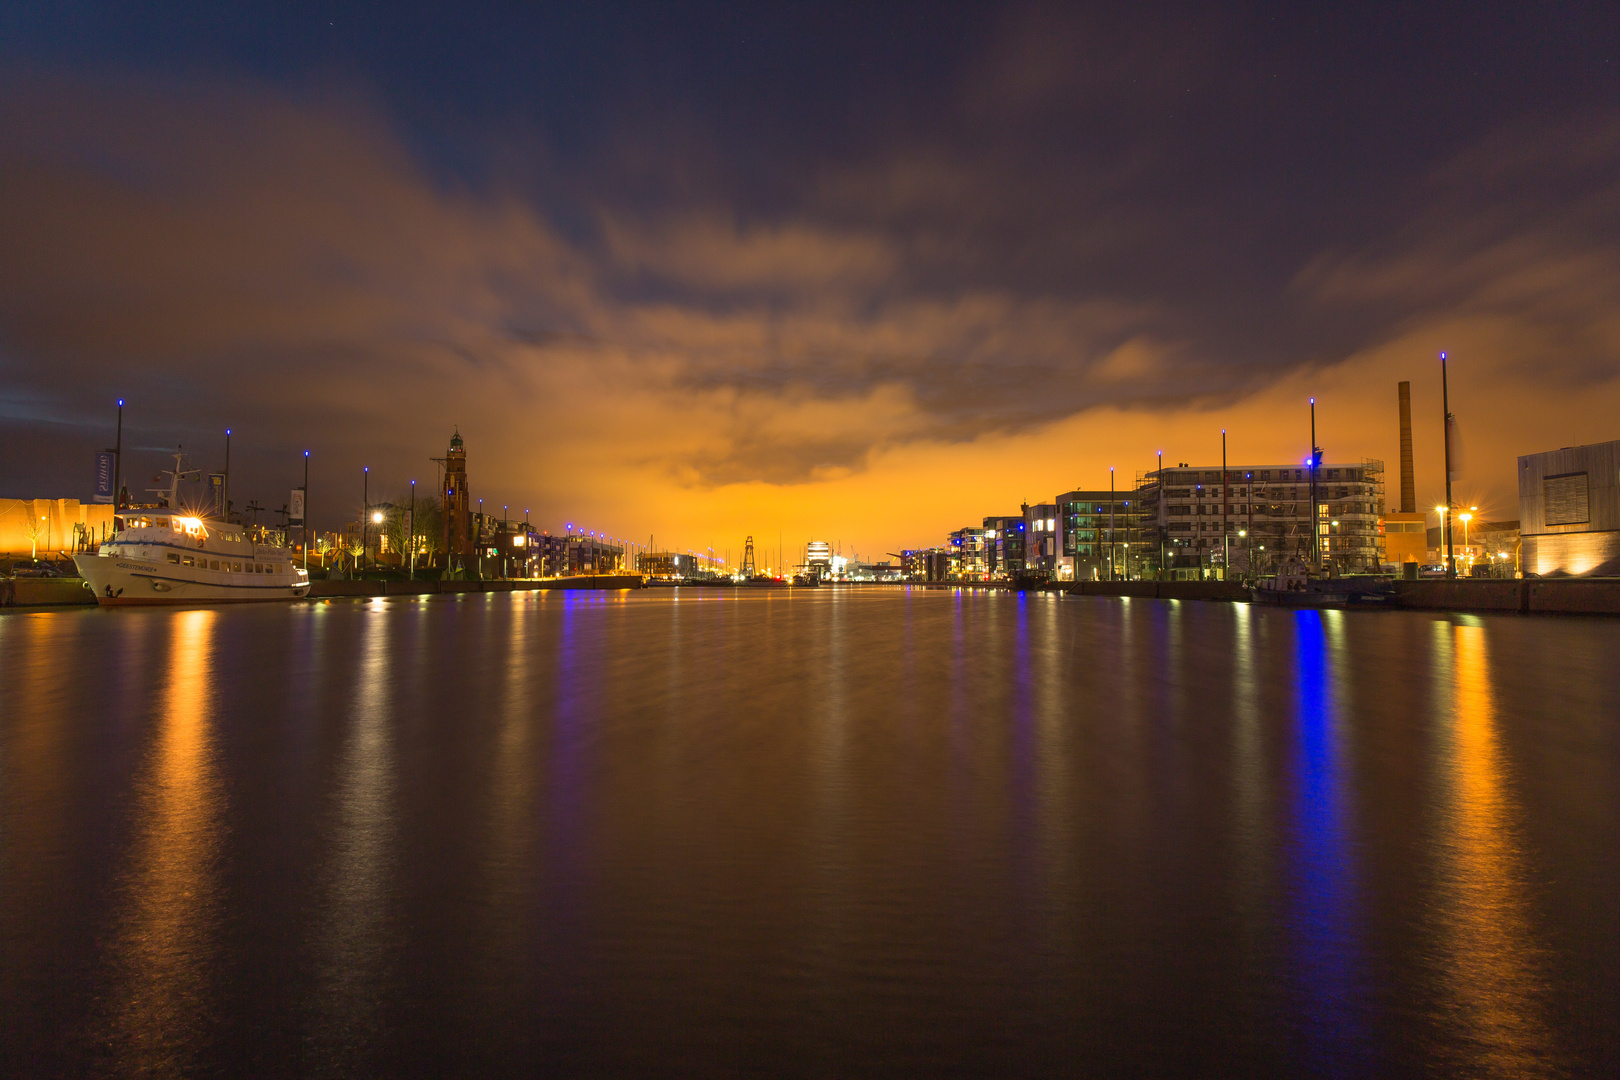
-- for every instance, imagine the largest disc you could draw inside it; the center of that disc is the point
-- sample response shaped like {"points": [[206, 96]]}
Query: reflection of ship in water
{"points": [[167, 556]]}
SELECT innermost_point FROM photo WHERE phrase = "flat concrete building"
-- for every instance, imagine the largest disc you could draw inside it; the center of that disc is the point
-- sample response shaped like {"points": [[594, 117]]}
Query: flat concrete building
{"points": [[1569, 511]]}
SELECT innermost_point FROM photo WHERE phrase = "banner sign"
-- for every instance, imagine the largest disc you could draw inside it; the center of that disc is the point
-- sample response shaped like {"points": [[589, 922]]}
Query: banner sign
{"points": [[216, 482], [104, 477], [297, 505]]}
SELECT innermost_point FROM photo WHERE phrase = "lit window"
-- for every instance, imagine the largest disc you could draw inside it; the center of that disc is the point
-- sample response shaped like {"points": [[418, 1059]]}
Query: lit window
{"points": [[174, 557]]}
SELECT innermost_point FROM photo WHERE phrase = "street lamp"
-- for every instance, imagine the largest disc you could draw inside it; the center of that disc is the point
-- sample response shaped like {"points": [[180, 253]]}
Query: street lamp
{"points": [[365, 500], [1465, 519], [304, 521]]}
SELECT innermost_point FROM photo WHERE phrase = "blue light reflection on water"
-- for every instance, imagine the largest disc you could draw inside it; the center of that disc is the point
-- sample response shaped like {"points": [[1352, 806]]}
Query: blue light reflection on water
{"points": [[1322, 914]]}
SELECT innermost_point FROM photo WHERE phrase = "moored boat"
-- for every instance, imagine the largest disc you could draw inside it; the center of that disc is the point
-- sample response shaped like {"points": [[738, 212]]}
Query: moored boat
{"points": [[1295, 587], [166, 556]]}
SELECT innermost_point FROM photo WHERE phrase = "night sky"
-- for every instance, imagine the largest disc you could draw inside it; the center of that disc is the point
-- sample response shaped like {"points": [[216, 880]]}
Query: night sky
{"points": [[861, 273]]}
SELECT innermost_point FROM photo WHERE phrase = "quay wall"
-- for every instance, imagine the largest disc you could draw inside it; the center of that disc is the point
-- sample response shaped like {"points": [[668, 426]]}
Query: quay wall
{"points": [[1541, 596], [56, 592], [320, 590], [1163, 590], [1544, 596]]}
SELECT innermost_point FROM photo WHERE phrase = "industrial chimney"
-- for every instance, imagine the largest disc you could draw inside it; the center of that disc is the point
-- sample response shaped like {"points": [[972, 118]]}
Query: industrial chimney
{"points": [[1408, 487]]}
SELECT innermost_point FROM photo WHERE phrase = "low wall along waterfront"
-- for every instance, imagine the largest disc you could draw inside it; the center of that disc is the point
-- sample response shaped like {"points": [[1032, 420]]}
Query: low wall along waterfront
{"points": [[46, 592], [1530, 596]]}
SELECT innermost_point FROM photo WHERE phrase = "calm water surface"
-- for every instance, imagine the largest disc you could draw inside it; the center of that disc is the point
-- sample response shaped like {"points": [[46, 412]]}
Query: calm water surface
{"points": [[875, 833]]}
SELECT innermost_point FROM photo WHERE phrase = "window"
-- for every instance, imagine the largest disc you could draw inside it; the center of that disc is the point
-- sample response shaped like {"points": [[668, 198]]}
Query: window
{"points": [[174, 557], [1566, 499], [186, 561], [213, 564], [236, 567]]}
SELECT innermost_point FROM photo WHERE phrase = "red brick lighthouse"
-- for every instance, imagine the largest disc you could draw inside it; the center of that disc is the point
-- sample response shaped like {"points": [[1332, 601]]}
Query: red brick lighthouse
{"points": [[457, 519]]}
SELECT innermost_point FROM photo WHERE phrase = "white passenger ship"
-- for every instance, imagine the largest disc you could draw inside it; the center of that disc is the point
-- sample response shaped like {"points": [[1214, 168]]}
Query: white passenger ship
{"points": [[166, 556]]}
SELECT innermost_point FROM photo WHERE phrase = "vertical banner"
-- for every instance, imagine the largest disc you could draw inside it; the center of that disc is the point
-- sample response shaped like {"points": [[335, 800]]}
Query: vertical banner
{"points": [[104, 477], [296, 513], [216, 484]]}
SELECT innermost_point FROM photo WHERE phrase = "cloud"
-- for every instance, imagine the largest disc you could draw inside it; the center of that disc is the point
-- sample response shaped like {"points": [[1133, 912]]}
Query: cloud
{"points": [[921, 339]]}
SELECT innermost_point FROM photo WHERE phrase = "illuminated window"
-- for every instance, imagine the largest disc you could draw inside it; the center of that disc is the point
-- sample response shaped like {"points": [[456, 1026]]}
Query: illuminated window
{"points": [[174, 558], [186, 561]]}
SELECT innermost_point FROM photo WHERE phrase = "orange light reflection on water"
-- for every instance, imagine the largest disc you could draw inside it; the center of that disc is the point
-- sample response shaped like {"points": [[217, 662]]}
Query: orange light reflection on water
{"points": [[1490, 958], [166, 940]]}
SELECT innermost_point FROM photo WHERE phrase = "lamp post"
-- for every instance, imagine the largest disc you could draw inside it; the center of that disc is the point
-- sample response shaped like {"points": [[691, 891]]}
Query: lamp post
{"points": [[365, 505], [118, 459], [1316, 461], [1110, 523], [1163, 512], [1248, 489], [1465, 519], [411, 573], [225, 496], [1445, 404], [1226, 498], [305, 522]]}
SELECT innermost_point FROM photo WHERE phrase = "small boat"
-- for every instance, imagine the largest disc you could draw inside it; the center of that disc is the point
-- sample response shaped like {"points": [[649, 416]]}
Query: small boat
{"points": [[763, 581], [164, 555], [1293, 586]]}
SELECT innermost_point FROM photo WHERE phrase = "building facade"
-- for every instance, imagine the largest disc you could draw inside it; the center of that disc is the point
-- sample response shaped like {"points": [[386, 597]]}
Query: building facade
{"points": [[1250, 518], [1004, 546], [1043, 539], [1569, 511], [1102, 536], [969, 553], [666, 565]]}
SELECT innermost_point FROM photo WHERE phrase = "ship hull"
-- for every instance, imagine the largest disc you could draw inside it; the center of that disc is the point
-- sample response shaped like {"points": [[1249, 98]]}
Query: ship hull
{"points": [[132, 582]]}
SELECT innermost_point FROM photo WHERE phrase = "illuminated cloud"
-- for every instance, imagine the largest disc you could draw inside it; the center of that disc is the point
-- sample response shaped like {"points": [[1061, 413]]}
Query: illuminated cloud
{"points": [[896, 343]]}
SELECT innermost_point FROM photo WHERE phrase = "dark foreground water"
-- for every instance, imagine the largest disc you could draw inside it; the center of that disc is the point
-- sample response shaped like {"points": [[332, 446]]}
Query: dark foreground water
{"points": [[877, 833]]}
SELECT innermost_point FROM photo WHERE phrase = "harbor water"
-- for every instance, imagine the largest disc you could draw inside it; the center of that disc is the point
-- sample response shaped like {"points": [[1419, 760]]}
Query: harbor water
{"points": [[805, 833]]}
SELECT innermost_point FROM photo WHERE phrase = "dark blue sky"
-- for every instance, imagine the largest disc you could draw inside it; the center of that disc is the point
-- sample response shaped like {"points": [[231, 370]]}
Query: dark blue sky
{"points": [[953, 224]]}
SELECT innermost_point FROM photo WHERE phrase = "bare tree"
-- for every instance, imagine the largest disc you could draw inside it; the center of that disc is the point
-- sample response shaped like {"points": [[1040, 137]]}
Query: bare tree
{"points": [[34, 530]]}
